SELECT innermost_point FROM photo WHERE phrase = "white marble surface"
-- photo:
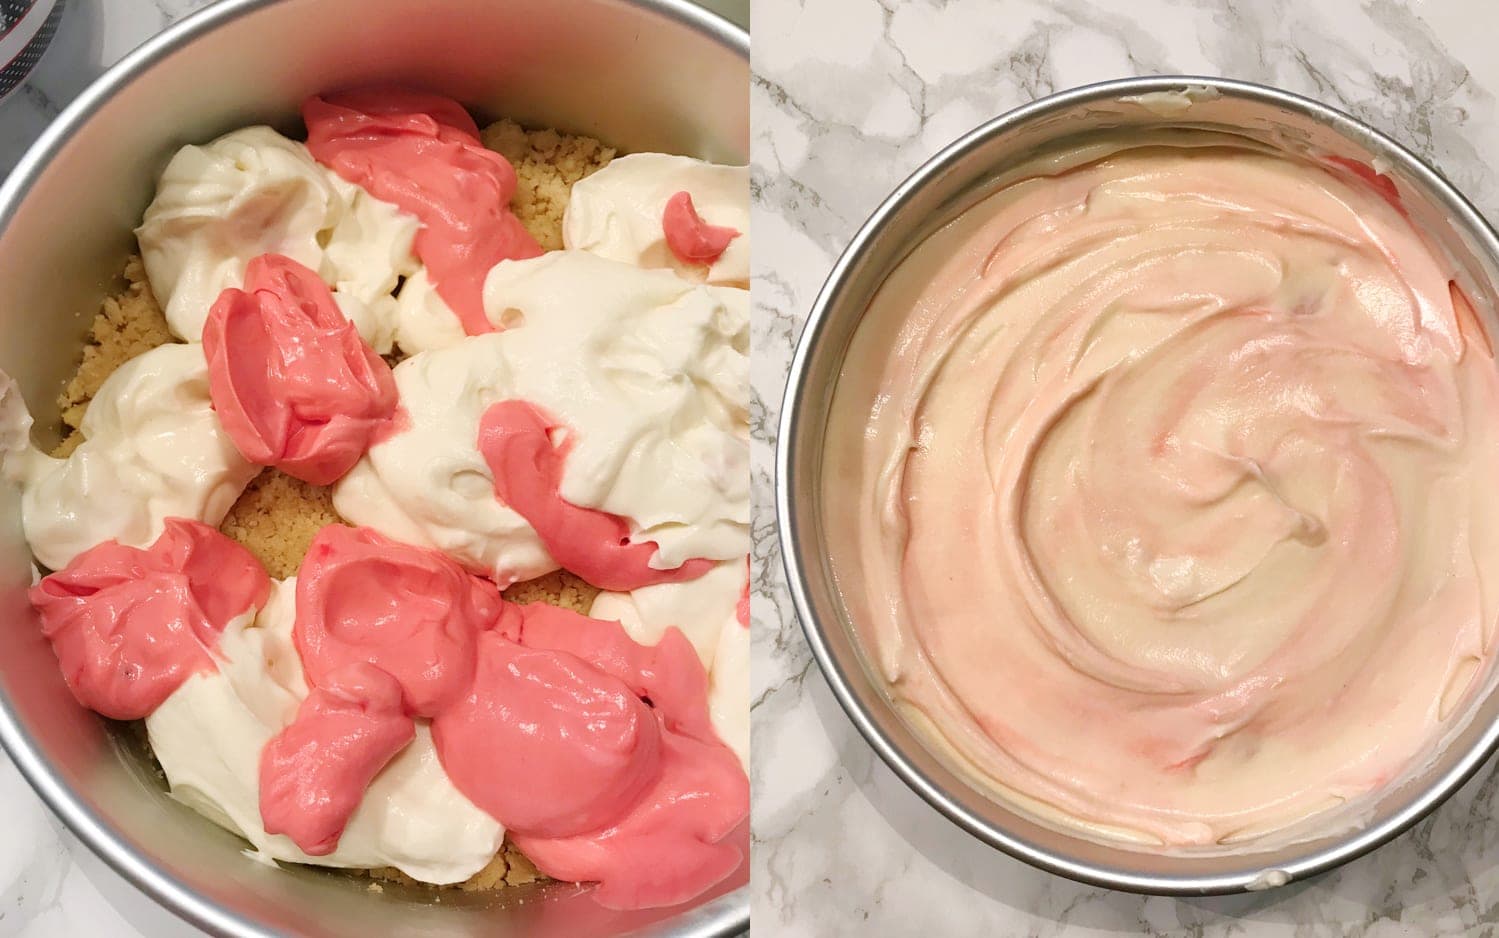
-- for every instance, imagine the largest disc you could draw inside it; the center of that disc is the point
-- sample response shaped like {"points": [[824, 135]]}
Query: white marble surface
{"points": [[849, 97]]}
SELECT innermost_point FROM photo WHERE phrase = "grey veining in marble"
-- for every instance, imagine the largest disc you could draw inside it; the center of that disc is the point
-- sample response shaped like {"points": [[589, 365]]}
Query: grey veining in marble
{"points": [[849, 97]]}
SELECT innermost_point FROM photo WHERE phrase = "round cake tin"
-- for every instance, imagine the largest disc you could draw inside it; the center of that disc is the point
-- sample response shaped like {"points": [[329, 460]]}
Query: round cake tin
{"points": [[955, 179], [597, 67]]}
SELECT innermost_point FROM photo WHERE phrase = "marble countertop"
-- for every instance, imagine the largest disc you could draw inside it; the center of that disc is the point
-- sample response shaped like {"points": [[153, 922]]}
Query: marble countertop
{"points": [[849, 97]]}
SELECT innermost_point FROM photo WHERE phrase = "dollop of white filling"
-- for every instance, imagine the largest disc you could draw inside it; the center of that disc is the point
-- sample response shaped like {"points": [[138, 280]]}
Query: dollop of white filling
{"points": [[649, 372], [429, 485], [252, 192], [616, 213], [706, 610], [423, 320], [208, 737], [153, 449]]}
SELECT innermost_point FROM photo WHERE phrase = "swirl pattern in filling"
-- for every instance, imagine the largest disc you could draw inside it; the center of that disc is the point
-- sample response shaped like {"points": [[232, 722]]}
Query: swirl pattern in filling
{"points": [[1176, 510]]}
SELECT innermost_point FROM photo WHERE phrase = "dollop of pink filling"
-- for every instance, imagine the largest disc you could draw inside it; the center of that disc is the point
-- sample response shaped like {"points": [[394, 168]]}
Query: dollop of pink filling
{"points": [[291, 380], [422, 153], [412, 612], [313, 774], [638, 793], [596, 752], [584, 746], [516, 440], [129, 626], [691, 239], [386, 633]]}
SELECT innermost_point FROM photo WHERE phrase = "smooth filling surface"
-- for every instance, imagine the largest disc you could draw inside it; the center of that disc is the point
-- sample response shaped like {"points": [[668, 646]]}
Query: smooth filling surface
{"points": [[1174, 515]]}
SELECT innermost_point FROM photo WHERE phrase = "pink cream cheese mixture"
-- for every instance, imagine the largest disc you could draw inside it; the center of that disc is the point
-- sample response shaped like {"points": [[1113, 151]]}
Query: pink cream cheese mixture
{"points": [[595, 752], [294, 385], [516, 440], [421, 152], [691, 239], [1172, 509], [129, 626]]}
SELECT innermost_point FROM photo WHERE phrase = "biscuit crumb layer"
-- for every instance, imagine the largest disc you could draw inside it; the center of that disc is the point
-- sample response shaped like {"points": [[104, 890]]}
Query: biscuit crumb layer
{"points": [[508, 868], [276, 519], [128, 323], [558, 588], [546, 166]]}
